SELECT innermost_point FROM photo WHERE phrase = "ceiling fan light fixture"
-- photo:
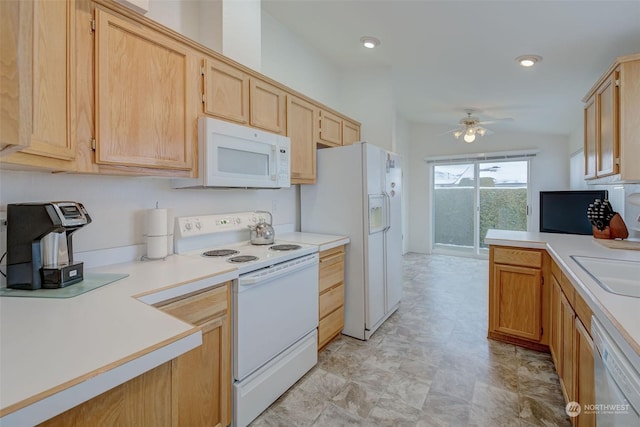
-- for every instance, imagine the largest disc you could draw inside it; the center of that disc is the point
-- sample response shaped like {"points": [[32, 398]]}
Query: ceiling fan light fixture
{"points": [[469, 137], [458, 134], [482, 131], [528, 60], [369, 42]]}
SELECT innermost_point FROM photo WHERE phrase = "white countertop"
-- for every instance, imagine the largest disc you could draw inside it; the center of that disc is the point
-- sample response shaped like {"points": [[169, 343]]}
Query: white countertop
{"points": [[619, 314], [48, 345], [323, 241], [57, 353]]}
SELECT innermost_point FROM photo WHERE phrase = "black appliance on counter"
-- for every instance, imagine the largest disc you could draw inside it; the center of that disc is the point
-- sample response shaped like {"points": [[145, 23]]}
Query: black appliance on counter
{"points": [[566, 211], [39, 244]]}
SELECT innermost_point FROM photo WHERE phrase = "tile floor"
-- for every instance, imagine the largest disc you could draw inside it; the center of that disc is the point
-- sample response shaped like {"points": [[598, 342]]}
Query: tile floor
{"points": [[430, 364]]}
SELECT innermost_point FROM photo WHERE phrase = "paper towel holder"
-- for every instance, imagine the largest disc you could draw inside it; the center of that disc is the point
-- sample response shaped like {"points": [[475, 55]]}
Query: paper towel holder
{"points": [[157, 235]]}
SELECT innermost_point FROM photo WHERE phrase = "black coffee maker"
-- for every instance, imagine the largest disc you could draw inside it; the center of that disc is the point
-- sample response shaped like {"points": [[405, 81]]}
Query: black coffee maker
{"points": [[39, 246]]}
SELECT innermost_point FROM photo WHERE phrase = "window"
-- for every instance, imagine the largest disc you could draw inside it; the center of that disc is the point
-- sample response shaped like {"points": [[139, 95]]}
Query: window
{"points": [[471, 197]]}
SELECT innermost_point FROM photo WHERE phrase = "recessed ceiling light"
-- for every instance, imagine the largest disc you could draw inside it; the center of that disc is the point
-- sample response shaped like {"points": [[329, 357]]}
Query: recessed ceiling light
{"points": [[369, 42], [528, 60]]}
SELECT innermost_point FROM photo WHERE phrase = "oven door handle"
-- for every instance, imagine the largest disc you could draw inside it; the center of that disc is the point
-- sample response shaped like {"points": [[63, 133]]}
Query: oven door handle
{"points": [[275, 271]]}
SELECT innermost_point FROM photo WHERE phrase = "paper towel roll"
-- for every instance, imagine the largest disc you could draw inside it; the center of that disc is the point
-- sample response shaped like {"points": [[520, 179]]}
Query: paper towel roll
{"points": [[157, 247], [156, 220]]}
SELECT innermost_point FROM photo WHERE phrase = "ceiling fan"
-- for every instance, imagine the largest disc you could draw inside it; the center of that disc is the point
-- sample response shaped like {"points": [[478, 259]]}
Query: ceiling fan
{"points": [[471, 126]]}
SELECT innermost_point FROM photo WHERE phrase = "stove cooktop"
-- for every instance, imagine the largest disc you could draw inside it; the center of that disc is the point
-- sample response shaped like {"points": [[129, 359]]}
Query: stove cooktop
{"points": [[220, 237], [247, 257]]}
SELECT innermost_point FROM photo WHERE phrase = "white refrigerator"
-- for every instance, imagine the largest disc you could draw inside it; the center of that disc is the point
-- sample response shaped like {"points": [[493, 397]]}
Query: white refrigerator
{"points": [[358, 194]]}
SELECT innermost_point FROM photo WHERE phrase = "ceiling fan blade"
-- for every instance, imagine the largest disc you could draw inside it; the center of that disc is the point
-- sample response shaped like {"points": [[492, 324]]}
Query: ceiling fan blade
{"points": [[487, 122], [448, 132]]}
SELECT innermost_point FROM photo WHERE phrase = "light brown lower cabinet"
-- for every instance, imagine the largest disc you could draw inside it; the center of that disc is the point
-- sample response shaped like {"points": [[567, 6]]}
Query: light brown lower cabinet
{"points": [[513, 309], [331, 298], [193, 390], [568, 326], [516, 297], [201, 378], [142, 401], [583, 364], [555, 340]]}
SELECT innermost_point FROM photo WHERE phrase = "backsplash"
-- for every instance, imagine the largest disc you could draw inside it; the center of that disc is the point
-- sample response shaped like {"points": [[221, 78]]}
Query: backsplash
{"points": [[117, 204], [632, 209]]}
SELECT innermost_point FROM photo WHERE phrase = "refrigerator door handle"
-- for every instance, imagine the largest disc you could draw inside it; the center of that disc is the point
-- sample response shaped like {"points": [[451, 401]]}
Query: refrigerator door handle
{"points": [[387, 211]]}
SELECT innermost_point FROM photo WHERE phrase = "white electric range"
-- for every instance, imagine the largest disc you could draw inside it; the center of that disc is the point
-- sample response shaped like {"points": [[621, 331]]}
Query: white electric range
{"points": [[275, 305]]}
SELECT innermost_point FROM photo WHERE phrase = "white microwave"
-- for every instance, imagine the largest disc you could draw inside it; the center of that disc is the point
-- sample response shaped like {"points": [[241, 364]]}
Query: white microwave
{"points": [[235, 156]]}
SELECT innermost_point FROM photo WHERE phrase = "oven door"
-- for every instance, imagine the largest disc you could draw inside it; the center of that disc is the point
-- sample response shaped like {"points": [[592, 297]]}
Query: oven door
{"points": [[273, 309]]}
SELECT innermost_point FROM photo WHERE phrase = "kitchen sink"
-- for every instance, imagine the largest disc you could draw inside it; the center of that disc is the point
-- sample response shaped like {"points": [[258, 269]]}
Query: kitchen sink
{"points": [[613, 275]]}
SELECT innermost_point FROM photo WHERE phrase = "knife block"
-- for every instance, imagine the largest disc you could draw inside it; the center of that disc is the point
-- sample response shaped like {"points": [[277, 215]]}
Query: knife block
{"points": [[615, 230]]}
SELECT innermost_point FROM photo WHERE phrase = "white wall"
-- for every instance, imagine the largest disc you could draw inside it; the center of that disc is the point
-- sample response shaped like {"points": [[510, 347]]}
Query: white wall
{"points": [[180, 16], [549, 169], [367, 96], [291, 61]]}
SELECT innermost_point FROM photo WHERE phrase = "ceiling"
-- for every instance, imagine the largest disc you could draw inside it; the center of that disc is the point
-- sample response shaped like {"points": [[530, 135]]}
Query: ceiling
{"points": [[447, 56]]}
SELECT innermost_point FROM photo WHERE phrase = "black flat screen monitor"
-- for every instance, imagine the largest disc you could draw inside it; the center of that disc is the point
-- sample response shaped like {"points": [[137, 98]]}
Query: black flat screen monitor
{"points": [[566, 211]]}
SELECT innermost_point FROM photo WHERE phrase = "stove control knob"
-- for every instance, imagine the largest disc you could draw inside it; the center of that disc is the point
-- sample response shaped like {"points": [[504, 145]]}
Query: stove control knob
{"points": [[238, 221], [187, 226], [198, 225]]}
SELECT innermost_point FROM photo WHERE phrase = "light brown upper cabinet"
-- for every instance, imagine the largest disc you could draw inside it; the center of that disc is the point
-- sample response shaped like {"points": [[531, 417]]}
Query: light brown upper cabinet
{"points": [[267, 106], [146, 96], [226, 91], [590, 139], [607, 141], [38, 83], [330, 129], [350, 132], [612, 122], [302, 128]]}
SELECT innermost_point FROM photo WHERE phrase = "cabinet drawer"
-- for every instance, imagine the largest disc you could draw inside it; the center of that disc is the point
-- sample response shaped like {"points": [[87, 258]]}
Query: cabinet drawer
{"points": [[331, 299], [197, 308], [513, 256], [331, 271], [330, 326]]}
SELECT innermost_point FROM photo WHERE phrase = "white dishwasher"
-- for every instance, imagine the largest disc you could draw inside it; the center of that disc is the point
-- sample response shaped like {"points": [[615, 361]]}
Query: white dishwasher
{"points": [[617, 382]]}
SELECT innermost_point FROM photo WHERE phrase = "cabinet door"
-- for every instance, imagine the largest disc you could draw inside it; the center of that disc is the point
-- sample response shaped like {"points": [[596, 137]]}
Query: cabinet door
{"points": [[350, 132], [142, 401], [267, 106], [202, 379], [584, 374], [590, 124], [607, 130], [226, 92], [568, 316], [38, 81], [146, 89], [555, 341], [302, 129], [517, 301], [330, 129]]}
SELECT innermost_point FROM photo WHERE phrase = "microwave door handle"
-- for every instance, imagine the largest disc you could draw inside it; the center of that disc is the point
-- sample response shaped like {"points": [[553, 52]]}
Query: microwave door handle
{"points": [[274, 163]]}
